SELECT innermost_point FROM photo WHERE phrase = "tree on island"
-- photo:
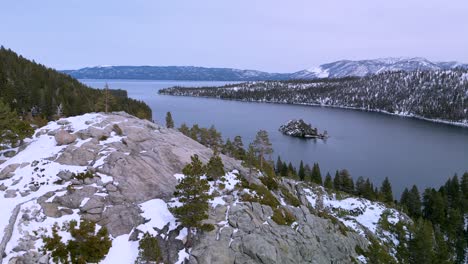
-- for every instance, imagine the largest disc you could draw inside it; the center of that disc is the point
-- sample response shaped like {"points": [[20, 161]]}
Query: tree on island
{"points": [[192, 192], [169, 120]]}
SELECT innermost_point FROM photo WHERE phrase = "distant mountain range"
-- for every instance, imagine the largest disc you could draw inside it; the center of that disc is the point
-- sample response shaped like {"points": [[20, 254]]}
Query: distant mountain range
{"points": [[335, 69]]}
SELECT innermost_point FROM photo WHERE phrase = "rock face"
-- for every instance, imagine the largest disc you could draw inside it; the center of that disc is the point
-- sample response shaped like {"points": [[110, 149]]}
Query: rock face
{"points": [[298, 128], [105, 175], [252, 237]]}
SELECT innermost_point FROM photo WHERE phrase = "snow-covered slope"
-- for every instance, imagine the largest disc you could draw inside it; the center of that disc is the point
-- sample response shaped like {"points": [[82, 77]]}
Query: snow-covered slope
{"points": [[361, 68], [134, 166]]}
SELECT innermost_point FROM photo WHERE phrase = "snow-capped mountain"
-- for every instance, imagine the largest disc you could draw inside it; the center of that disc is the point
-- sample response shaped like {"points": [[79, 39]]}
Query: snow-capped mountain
{"points": [[361, 68], [335, 69]]}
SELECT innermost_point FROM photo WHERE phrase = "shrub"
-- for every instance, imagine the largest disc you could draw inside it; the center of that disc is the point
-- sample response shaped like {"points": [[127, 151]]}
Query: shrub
{"points": [[85, 246], [263, 196], [117, 129], [269, 182], [282, 216], [83, 176], [289, 197], [149, 250], [103, 137]]}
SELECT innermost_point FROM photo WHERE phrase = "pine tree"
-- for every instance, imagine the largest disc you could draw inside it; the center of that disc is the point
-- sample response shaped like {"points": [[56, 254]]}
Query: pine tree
{"points": [[12, 129], [291, 170], [215, 168], [386, 190], [316, 175], [328, 181], [360, 186], [192, 192], [184, 129], [238, 148], [148, 250], [250, 160], [228, 148], [421, 247], [414, 202], [464, 191], [262, 146], [169, 120], [337, 182], [301, 171], [279, 166], [285, 170]]}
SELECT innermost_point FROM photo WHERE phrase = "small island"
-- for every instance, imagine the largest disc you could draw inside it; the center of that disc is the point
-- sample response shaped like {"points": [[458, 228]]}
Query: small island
{"points": [[299, 128]]}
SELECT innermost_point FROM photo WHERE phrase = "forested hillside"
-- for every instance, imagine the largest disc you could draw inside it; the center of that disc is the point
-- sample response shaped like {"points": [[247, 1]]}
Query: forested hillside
{"points": [[438, 95], [33, 89]]}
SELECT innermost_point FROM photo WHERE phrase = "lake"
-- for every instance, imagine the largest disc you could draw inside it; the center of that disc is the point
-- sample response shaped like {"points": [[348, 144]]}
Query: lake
{"points": [[409, 151]]}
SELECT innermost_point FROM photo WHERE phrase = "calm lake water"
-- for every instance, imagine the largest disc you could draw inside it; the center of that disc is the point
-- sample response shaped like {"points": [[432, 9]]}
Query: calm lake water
{"points": [[408, 151]]}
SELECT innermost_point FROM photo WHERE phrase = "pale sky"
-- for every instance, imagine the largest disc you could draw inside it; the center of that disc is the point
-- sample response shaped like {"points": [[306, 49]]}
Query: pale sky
{"points": [[268, 35]]}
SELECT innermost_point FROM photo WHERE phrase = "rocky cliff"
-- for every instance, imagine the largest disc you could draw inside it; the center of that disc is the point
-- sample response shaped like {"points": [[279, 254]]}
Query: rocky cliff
{"points": [[121, 172]]}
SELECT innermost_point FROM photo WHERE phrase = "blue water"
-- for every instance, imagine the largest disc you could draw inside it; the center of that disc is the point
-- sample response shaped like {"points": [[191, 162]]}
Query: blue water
{"points": [[374, 145]]}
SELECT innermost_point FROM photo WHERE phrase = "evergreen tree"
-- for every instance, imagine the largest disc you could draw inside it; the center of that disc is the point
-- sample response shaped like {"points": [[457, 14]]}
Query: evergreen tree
{"points": [[337, 182], [291, 170], [149, 251], [328, 181], [386, 191], [279, 166], [238, 148], [215, 168], [360, 186], [316, 175], [464, 191], [421, 247], [12, 129], [250, 159], [285, 170], [184, 129], [192, 192], [434, 206], [195, 132], [414, 202], [169, 120], [215, 140], [301, 171], [228, 148], [262, 146]]}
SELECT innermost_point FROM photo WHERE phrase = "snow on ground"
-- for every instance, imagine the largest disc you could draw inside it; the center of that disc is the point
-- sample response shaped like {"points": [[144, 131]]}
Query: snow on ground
{"points": [[37, 171], [37, 223], [122, 251], [356, 213], [158, 214], [183, 255]]}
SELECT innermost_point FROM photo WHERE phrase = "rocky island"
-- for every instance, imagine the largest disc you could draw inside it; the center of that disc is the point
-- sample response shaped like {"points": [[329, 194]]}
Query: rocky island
{"points": [[299, 128]]}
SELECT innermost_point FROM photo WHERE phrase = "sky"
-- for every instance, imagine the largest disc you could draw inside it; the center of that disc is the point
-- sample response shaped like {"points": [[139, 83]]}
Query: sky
{"points": [[267, 35]]}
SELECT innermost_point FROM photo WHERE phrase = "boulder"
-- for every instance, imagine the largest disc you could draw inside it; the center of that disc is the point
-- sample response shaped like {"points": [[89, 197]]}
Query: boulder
{"points": [[7, 172], [64, 138], [9, 153], [10, 194]]}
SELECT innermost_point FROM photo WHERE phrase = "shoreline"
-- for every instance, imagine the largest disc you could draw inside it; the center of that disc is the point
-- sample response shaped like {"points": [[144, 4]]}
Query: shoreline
{"points": [[440, 121]]}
